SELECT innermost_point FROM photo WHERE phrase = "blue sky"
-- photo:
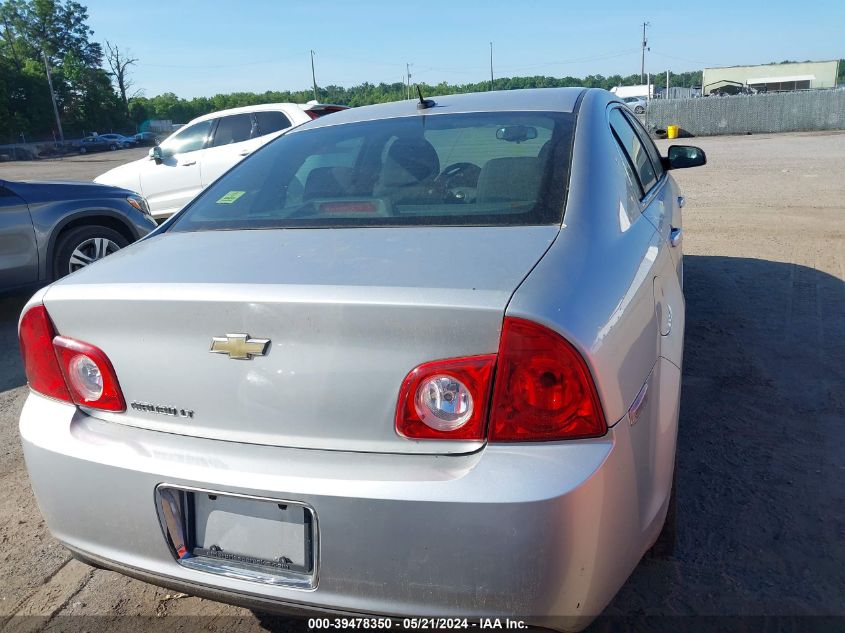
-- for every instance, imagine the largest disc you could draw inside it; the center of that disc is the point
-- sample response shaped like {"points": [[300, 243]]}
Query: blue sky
{"points": [[196, 48]]}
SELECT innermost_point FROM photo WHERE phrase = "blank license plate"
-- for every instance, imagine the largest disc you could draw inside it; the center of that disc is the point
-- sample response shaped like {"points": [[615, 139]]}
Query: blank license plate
{"points": [[255, 539], [252, 532]]}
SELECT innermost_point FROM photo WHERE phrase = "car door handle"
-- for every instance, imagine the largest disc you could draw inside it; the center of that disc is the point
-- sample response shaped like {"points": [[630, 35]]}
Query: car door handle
{"points": [[188, 163], [675, 236], [681, 202]]}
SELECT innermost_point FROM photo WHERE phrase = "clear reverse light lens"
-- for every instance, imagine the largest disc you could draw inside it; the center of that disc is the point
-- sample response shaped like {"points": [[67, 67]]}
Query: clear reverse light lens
{"points": [[86, 377], [444, 403]]}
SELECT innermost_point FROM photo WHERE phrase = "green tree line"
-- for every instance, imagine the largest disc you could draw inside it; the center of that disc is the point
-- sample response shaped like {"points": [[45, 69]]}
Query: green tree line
{"points": [[89, 98], [169, 106]]}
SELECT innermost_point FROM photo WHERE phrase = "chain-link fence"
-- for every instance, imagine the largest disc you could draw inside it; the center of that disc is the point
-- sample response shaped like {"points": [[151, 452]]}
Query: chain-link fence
{"points": [[743, 114]]}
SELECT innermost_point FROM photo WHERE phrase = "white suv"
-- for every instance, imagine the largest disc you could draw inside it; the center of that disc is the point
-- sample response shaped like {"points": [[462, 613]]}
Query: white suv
{"points": [[201, 151]]}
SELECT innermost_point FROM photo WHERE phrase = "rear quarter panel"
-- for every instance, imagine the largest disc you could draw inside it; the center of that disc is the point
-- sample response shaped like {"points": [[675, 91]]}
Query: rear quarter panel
{"points": [[595, 286]]}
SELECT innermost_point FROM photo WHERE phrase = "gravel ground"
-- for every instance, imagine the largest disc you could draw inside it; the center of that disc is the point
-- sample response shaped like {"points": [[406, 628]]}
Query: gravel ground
{"points": [[82, 167], [761, 455]]}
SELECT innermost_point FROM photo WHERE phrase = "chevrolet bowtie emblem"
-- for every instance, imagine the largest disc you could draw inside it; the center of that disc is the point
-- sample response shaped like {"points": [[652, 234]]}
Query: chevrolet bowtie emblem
{"points": [[239, 346]]}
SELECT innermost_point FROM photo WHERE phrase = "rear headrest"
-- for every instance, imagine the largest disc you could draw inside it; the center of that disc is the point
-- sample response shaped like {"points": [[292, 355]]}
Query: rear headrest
{"points": [[511, 178], [328, 182], [416, 156]]}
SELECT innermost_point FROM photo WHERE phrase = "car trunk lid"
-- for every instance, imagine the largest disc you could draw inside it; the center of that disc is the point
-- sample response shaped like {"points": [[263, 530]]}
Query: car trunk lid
{"points": [[348, 313]]}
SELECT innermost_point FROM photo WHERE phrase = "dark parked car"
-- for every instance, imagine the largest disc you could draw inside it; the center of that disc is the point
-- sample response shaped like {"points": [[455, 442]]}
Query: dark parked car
{"points": [[97, 144], [50, 229], [147, 138]]}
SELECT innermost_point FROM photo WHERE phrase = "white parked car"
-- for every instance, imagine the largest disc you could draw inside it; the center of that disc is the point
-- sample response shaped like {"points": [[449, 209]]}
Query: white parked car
{"points": [[201, 151], [637, 104]]}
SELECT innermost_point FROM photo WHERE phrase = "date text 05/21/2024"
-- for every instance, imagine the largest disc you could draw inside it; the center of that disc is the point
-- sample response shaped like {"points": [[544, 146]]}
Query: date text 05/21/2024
{"points": [[416, 623]]}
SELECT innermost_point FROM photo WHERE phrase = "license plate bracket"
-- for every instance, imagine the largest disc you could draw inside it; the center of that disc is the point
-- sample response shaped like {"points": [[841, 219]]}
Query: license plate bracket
{"points": [[271, 541]]}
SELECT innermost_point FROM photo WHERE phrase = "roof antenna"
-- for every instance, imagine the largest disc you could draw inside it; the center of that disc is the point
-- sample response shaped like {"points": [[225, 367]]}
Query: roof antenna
{"points": [[424, 104]]}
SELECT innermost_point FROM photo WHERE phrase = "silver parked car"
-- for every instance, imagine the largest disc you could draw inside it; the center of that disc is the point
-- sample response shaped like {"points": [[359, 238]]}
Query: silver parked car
{"points": [[50, 229], [410, 359], [637, 104], [124, 142]]}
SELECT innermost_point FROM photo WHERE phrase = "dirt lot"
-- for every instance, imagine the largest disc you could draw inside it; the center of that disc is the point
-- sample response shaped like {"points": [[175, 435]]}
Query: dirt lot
{"points": [[85, 167], [761, 460]]}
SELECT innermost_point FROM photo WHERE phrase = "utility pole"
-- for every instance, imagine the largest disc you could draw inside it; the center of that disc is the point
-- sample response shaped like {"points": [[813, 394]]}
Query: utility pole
{"points": [[667, 83], [53, 97], [645, 46], [314, 76], [491, 66], [408, 75]]}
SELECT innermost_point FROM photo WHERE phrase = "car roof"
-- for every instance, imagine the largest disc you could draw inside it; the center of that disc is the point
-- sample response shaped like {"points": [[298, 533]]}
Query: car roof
{"points": [[246, 109], [529, 100]]}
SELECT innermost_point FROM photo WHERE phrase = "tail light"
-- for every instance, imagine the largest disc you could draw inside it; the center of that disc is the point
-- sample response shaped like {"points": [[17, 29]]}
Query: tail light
{"points": [[446, 399], [39, 359], [542, 391], [67, 369], [89, 375]]}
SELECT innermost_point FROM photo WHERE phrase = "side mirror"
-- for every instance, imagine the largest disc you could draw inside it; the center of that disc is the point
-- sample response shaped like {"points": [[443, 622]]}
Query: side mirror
{"points": [[683, 156], [156, 155]]}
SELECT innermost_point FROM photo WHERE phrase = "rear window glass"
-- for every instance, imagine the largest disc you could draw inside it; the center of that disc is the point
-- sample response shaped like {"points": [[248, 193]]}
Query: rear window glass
{"points": [[504, 168], [270, 121]]}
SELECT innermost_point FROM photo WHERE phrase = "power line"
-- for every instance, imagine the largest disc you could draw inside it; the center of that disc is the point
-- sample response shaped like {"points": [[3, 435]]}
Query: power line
{"points": [[682, 59], [574, 60], [217, 66]]}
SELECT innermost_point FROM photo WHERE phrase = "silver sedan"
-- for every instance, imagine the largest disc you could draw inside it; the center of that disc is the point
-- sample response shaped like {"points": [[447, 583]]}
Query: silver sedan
{"points": [[413, 359]]}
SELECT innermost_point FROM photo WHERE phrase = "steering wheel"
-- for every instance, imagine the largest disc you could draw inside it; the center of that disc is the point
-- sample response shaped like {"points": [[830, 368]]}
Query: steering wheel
{"points": [[455, 179]]}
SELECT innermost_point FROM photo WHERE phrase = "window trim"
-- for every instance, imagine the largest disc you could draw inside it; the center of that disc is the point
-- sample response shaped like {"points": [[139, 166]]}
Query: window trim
{"points": [[620, 147], [645, 139], [646, 195]]}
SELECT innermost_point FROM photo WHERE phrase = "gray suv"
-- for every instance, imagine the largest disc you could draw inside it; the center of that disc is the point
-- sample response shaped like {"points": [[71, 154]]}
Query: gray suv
{"points": [[50, 229]]}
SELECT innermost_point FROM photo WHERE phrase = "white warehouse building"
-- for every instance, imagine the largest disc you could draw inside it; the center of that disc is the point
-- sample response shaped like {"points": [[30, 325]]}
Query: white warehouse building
{"points": [[773, 77]]}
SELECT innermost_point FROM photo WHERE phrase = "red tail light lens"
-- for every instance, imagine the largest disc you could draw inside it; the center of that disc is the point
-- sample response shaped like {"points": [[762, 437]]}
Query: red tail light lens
{"points": [[66, 369], [39, 359], [544, 390], [446, 399], [89, 375]]}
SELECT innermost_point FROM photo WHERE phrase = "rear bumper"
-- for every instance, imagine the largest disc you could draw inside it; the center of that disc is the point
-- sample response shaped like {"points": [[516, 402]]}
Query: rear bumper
{"points": [[512, 530]]}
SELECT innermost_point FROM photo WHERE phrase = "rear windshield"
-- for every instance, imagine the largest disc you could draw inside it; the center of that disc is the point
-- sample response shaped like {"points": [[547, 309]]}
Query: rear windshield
{"points": [[477, 169]]}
